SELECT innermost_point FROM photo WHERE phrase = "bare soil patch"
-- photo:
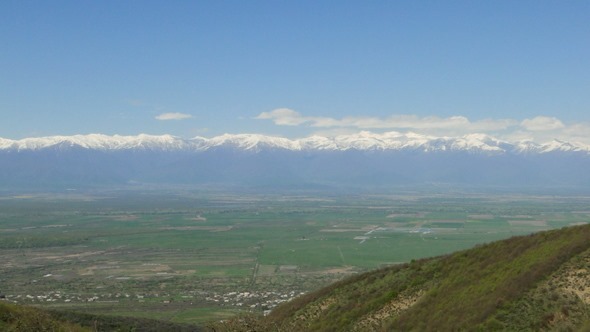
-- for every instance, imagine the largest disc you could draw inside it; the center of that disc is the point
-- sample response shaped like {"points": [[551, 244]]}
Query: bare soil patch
{"points": [[481, 216], [199, 228], [342, 230]]}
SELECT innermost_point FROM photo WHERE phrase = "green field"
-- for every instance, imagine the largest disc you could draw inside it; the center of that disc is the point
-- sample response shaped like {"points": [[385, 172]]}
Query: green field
{"points": [[190, 256]]}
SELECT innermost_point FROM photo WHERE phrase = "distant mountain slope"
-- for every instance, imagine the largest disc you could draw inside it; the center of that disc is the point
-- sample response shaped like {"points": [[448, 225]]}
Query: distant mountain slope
{"points": [[537, 282], [360, 160]]}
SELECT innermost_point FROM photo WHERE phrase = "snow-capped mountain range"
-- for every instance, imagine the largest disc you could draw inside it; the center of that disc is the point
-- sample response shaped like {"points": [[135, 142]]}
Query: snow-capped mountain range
{"points": [[255, 142], [362, 160]]}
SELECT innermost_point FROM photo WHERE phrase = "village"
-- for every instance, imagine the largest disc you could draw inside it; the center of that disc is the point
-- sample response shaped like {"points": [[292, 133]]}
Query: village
{"points": [[257, 301]]}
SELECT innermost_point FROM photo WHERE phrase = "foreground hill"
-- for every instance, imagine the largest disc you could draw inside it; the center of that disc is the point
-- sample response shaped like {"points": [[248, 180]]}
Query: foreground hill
{"points": [[20, 318], [535, 282], [15, 318]]}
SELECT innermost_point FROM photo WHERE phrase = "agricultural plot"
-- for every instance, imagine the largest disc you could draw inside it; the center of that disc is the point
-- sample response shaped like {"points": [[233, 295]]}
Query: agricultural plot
{"points": [[192, 256]]}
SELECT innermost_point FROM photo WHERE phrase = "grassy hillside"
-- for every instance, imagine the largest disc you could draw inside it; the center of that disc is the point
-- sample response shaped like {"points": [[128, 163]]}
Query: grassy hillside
{"points": [[20, 318], [24, 318], [534, 282]]}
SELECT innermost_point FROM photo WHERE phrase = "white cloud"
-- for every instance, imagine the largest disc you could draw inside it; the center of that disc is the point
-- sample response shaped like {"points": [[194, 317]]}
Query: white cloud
{"points": [[334, 132], [288, 117], [579, 132], [405, 122], [542, 123], [487, 125], [173, 116], [545, 129], [540, 129], [283, 117]]}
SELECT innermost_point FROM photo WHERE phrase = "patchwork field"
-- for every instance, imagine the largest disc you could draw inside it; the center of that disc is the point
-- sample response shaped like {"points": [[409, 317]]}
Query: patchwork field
{"points": [[191, 256]]}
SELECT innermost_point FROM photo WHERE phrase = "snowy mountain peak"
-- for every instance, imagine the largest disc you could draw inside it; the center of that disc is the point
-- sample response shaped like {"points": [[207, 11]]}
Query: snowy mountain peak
{"points": [[558, 145], [254, 142], [364, 140]]}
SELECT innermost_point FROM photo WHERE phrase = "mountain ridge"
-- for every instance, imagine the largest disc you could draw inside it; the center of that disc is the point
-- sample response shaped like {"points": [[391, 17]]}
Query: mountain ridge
{"points": [[361, 161], [363, 141]]}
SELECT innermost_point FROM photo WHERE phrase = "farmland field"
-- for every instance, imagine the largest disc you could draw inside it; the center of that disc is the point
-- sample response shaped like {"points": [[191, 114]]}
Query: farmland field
{"points": [[192, 256]]}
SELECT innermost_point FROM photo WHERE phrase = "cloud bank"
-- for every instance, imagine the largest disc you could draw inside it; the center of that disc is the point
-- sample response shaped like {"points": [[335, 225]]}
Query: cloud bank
{"points": [[173, 116], [542, 123], [539, 129], [287, 117]]}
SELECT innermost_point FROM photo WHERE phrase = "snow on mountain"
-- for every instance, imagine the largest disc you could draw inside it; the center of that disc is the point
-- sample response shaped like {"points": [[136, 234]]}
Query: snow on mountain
{"points": [[557, 145], [361, 160], [253, 142], [525, 147], [478, 142], [317, 143], [529, 147], [96, 142], [5, 143], [364, 141]]}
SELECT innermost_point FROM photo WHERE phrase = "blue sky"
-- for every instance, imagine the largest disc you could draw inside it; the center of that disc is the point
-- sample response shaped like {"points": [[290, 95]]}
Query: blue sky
{"points": [[514, 69]]}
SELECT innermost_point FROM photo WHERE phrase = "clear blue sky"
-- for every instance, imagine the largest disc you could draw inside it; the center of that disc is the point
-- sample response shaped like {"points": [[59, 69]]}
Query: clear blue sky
{"points": [[205, 68]]}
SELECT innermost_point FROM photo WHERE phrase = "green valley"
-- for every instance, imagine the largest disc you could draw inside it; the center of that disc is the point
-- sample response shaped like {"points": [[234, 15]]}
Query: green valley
{"points": [[193, 257]]}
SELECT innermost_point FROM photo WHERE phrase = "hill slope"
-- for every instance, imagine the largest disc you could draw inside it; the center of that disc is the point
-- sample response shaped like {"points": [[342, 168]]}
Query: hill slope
{"points": [[535, 282], [20, 318], [17, 318]]}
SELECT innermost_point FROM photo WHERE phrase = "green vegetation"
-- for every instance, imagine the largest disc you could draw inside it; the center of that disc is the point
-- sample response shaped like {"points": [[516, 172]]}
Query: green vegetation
{"points": [[18, 318], [477, 282], [533, 282], [114, 323], [26, 319], [195, 257]]}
